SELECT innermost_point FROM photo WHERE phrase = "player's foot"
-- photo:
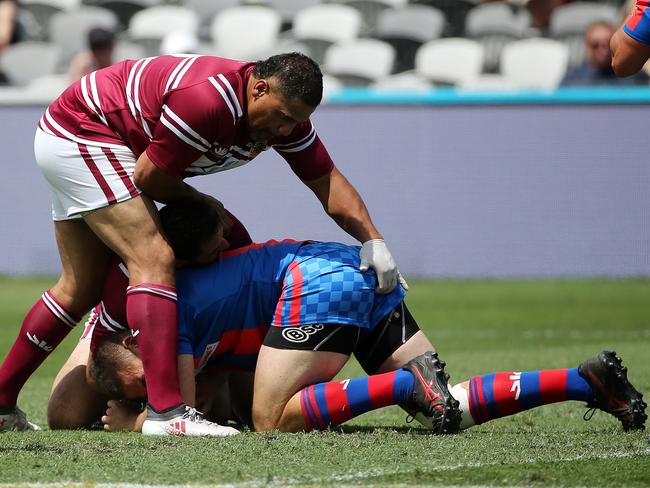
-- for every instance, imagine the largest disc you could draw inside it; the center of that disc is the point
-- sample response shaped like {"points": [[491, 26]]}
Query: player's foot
{"points": [[13, 418], [182, 420], [431, 396], [613, 392]]}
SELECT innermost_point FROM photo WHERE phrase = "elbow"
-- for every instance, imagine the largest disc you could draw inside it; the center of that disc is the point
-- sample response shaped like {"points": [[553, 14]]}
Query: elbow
{"points": [[622, 68]]}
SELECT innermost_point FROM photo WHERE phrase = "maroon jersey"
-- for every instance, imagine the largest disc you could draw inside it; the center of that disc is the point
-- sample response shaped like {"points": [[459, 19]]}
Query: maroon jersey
{"points": [[187, 111]]}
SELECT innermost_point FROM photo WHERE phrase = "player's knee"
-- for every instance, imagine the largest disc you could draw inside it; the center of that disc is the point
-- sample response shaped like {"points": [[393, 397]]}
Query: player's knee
{"points": [[264, 420], [153, 263]]}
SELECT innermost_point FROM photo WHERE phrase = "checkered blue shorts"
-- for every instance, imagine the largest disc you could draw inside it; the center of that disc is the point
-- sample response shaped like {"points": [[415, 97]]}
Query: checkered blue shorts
{"points": [[323, 285]]}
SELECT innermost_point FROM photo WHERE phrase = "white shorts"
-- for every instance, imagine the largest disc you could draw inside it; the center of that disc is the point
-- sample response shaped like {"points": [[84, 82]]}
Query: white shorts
{"points": [[82, 177]]}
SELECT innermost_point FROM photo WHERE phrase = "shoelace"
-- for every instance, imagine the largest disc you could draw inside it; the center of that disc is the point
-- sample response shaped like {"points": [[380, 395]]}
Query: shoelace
{"points": [[193, 415]]}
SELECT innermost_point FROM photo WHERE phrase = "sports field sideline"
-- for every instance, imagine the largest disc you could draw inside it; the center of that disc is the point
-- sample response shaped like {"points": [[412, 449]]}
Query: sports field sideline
{"points": [[477, 326]]}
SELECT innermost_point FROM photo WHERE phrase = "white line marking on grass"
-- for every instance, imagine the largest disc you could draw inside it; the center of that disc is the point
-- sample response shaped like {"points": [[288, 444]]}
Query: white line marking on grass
{"points": [[349, 477]]}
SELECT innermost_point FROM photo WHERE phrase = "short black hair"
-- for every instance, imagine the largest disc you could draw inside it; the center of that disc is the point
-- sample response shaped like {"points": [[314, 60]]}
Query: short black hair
{"points": [[298, 76], [107, 362], [188, 224], [100, 38]]}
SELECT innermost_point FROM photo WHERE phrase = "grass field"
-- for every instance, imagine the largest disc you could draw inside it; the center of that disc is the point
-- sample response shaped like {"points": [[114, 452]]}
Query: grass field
{"points": [[478, 327]]}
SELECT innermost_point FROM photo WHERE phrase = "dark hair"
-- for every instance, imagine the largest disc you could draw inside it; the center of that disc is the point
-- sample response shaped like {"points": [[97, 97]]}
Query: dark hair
{"points": [[187, 224], [298, 76], [107, 362], [100, 38]]}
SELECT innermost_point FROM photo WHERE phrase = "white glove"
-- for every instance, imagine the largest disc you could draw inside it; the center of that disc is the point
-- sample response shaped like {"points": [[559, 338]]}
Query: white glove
{"points": [[374, 254]]}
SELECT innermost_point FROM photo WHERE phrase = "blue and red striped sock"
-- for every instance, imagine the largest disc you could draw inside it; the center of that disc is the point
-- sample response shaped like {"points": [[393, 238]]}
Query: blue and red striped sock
{"points": [[496, 395], [335, 402]]}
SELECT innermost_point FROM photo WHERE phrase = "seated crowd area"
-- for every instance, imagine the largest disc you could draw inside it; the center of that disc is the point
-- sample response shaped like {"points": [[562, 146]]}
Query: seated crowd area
{"points": [[381, 44]]}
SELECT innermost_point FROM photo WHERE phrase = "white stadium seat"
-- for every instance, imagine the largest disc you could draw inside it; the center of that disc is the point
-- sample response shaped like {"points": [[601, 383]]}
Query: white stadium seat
{"points": [[328, 22], [535, 63], [155, 22], [29, 60], [69, 29], [415, 22], [232, 32], [451, 60], [363, 59]]}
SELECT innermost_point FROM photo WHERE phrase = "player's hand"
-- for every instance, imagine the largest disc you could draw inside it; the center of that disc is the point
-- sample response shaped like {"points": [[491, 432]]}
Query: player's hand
{"points": [[374, 254]]}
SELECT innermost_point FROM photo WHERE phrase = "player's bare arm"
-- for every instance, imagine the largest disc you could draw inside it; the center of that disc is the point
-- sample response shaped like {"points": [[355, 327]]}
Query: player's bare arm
{"points": [[343, 203], [628, 55]]}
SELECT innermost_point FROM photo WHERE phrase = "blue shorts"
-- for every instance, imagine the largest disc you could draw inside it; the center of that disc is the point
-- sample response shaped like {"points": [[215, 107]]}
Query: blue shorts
{"points": [[323, 285]]}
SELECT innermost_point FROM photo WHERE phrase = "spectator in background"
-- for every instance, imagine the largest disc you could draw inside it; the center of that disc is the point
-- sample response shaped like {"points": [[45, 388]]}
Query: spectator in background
{"points": [[8, 13], [597, 68], [101, 45]]}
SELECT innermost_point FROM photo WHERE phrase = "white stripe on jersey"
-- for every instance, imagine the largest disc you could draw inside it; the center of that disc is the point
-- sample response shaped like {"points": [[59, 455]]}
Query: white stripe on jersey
{"points": [[57, 310], [312, 136], [180, 135], [183, 71], [183, 125], [178, 67], [234, 98], [72, 137], [225, 98], [281, 147], [136, 90], [129, 84], [93, 87], [84, 91]]}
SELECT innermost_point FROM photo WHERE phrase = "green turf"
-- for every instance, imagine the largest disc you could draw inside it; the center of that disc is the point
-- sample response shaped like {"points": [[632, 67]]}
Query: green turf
{"points": [[478, 327]]}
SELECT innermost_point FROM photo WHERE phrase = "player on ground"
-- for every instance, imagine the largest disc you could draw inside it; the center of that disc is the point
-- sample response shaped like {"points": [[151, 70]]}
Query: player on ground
{"points": [[138, 128], [321, 310], [197, 240], [630, 44]]}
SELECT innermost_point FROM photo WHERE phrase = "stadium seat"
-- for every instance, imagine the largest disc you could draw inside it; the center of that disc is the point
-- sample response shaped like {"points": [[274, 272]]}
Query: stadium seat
{"points": [[128, 50], [149, 26], [288, 8], [360, 61], [69, 29], [322, 25], [206, 10], [125, 9], [155, 22], [407, 28], [41, 11], [455, 12], [370, 10], [58, 4], [407, 81], [29, 60], [49, 85], [569, 22], [535, 63], [494, 25], [449, 61], [231, 31]]}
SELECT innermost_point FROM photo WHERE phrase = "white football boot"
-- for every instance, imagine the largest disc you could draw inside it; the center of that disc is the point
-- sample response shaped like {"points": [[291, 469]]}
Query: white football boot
{"points": [[16, 420], [183, 420]]}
